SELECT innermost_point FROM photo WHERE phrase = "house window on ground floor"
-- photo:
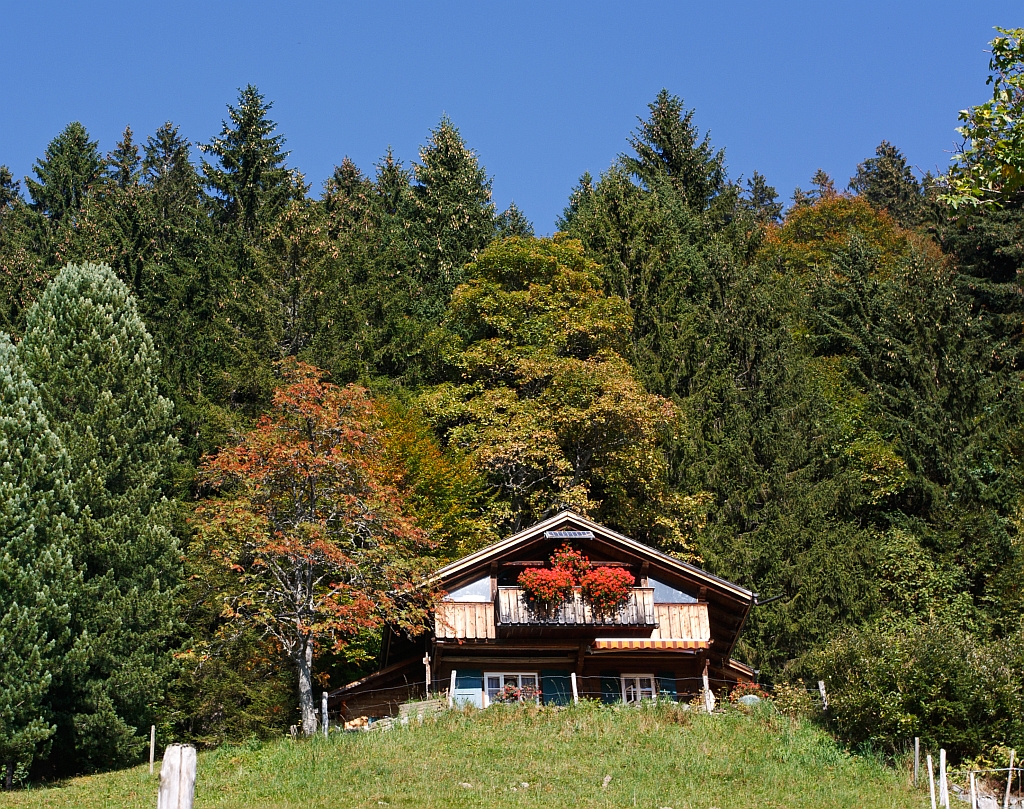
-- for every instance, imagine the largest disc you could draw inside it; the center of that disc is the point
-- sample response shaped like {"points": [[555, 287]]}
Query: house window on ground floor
{"points": [[512, 687], [638, 687]]}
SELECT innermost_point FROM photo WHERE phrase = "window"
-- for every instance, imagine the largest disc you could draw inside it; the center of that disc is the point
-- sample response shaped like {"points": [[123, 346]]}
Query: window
{"points": [[515, 687], [637, 687]]}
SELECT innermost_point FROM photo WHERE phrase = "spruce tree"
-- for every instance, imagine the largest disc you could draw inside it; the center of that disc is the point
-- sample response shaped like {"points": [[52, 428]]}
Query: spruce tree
{"points": [[10, 190], [68, 172], [95, 367], [455, 215], [122, 165], [668, 145], [513, 222], [36, 576], [250, 181], [887, 182]]}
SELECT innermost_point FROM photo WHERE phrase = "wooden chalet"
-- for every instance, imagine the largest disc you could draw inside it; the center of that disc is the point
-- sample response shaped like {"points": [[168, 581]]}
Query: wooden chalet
{"points": [[678, 624]]}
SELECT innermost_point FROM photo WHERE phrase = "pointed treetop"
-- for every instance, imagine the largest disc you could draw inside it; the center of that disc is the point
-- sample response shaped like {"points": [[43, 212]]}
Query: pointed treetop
{"points": [[66, 174], [123, 163], [761, 200], [668, 146], [250, 180], [513, 222], [166, 155], [10, 189], [887, 182]]}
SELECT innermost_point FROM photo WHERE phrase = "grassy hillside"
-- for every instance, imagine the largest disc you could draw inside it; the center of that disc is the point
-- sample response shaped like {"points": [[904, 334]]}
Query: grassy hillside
{"points": [[659, 756]]}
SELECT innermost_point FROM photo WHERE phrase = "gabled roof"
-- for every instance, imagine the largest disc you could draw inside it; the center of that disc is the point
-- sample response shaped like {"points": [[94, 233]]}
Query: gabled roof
{"points": [[484, 556]]}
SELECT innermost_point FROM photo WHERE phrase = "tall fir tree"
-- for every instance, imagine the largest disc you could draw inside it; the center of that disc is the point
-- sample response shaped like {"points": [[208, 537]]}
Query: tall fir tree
{"points": [[68, 172], [122, 164], [36, 574], [888, 183], [95, 366], [454, 212], [250, 181]]}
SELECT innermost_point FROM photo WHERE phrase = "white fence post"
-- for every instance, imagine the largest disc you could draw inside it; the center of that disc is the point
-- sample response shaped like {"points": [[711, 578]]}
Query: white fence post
{"points": [[943, 786], [451, 692], [177, 778], [824, 695], [931, 780], [323, 714], [1009, 781], [152, 747], [575, 693]]}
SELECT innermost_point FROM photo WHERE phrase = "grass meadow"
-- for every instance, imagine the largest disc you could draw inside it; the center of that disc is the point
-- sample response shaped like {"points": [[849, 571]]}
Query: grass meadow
{"points": [[657, 756]]}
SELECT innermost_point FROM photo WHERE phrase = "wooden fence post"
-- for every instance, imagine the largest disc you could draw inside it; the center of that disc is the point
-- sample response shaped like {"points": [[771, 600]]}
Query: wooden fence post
{"points": [[917, 759], [451, 692], [824, 696], [943, 785], [931, 780], [152, 747], [1009, 781], [426, 664], [575, 692], [9, 776], [323, 714], [177, 778], [709, 695], [974, 793]]}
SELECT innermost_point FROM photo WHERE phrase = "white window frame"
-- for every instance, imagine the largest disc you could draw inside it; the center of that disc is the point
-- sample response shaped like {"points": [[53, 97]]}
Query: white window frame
{"points": [[635, 681], [511, 676]]}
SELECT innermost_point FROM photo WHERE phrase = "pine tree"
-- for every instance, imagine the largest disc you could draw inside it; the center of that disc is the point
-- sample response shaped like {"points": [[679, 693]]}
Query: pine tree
{"points": [[68, 172], [455, 215], [250, 182], [95, 367], [36, 576]]}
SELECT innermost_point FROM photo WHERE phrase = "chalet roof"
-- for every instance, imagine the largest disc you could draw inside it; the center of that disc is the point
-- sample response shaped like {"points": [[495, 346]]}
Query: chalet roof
{"points": [[483, 557]]}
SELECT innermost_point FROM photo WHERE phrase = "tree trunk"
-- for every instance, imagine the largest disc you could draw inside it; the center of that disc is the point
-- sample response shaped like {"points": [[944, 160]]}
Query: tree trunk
{"points": [[304, 664]]}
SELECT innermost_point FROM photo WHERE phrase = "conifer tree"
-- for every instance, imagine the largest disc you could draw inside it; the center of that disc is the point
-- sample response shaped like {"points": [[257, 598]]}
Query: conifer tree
{"points": [[887, 182], [513, 222], [122, 165], [68, 172], [10, 190], [250, 181], [95, 367], [36, 576], [668, 145], [454, 212]]}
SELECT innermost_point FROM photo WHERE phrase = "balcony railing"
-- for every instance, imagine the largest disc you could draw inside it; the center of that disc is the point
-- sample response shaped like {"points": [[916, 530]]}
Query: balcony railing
{"points": [[515, 611]]}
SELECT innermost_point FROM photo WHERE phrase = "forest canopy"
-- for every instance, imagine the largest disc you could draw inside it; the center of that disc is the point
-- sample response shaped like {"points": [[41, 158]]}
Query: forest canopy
{"points": [[818, 399]]}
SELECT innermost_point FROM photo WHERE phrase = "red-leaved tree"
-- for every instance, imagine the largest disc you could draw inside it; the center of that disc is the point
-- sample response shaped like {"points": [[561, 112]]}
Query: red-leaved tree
{"points": [[305, 516]]}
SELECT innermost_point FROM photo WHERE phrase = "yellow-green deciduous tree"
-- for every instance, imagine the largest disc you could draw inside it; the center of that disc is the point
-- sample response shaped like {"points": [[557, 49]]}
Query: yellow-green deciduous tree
{"points": [[534, 386]]}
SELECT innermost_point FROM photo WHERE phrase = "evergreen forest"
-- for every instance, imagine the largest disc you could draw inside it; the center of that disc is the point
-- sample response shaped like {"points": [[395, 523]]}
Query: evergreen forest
{"points": [[819, 397]]}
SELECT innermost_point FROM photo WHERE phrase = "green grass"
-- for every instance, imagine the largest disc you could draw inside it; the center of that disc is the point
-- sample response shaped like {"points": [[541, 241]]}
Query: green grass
{"points": [[657, 757]]}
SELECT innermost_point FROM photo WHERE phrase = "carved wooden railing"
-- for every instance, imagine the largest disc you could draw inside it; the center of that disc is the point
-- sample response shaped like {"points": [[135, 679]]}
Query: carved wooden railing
{"points": [[515, 610]]}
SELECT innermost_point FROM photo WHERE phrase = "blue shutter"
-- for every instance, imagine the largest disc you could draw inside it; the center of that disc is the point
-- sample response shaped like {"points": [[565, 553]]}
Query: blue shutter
{"points": [[611, 687], [469, 687], [555, 687], [667, 685]]}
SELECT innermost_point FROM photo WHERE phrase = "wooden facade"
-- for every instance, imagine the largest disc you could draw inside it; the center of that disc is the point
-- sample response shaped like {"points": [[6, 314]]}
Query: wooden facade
{"points": [[679, 623]]}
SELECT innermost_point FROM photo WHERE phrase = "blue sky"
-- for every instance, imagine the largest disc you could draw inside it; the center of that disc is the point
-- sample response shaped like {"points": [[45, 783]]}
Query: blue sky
{"points": [[542, 90]]}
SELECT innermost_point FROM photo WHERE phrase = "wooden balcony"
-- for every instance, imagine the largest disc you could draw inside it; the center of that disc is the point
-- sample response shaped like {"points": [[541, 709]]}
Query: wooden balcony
{"points": [[516, 617]]}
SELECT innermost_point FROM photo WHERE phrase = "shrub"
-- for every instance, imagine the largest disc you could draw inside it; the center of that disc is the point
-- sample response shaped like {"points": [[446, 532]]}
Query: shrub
{"points": [[933, 680], [606, 589]]}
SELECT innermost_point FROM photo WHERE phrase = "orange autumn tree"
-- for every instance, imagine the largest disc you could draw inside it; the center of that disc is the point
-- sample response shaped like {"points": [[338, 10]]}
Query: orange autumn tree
{"points": [[306, 518]]}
